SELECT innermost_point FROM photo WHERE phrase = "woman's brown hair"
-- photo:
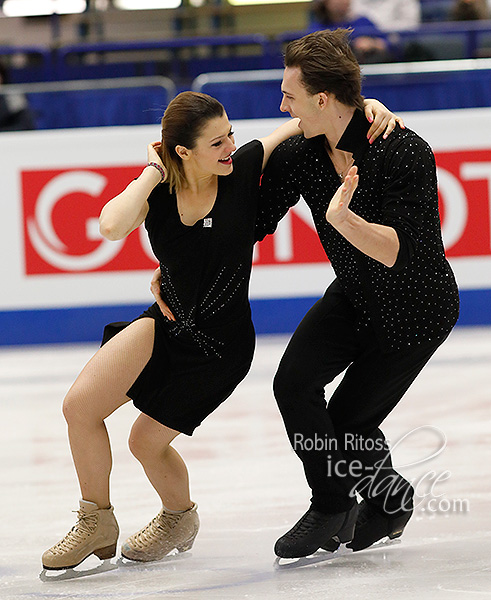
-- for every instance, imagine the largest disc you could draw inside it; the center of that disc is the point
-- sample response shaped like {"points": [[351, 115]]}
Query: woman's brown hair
{"points": [[183, 120], [327, 64]]}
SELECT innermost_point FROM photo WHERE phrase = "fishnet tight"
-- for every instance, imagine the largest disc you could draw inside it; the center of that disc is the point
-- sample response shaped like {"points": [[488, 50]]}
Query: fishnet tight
{"points": [[97, 392]]}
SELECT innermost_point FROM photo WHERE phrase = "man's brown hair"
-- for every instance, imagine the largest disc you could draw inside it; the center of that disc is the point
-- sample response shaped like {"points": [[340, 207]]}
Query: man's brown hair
{"points": [[327, 64]]}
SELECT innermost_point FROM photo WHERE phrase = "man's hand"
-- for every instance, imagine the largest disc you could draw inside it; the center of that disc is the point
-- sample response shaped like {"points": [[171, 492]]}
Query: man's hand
{"points": [[377, 241], [155, 289], [338, 209]]}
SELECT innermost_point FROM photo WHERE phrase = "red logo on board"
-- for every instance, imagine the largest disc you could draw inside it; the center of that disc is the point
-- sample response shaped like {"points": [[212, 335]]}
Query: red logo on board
{"points": [[61, 210]]}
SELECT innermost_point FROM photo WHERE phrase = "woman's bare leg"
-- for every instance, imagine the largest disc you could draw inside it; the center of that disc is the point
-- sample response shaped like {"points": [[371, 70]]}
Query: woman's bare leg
{"points": [[97, 392], [177, 524], [150, 444]]}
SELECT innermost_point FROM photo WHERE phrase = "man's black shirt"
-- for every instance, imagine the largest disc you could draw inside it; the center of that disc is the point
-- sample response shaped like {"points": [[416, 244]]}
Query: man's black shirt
{"points": [[416, 300]]}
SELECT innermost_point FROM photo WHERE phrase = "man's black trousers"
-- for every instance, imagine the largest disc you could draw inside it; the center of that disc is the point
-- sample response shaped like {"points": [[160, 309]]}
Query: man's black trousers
{"points": [[340, 443]]}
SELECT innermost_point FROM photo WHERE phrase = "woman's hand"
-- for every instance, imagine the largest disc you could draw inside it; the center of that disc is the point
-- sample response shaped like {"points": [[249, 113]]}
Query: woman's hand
{"points": [[381, 118], [338, 209], [153, 153], [155, 289]]}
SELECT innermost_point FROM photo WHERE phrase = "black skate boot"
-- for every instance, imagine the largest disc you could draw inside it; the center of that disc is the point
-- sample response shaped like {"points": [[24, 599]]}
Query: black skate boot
{"points": [[314, 530], [373, 525]]}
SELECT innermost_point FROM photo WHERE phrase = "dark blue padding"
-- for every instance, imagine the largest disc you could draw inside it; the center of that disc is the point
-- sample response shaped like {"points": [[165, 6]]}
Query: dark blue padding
{"points": [[429, 91], [272, 316], [98, 108]]}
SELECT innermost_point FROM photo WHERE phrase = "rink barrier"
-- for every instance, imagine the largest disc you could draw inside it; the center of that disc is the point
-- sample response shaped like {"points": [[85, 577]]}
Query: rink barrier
{"points": [[95, 102], [275, 316], [410, 86], [64, 282]]}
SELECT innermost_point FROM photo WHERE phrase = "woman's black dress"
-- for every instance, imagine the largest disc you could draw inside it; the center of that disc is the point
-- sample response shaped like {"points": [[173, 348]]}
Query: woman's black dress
{"points": [[199, 359]]}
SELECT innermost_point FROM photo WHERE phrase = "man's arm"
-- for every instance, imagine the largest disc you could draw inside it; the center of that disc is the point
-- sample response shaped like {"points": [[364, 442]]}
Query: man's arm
{"points": [[409, 198], [380, 242]]}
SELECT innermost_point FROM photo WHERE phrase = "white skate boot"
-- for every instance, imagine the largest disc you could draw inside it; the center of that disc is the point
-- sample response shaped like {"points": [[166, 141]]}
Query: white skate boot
{"points": [[165, 532]]}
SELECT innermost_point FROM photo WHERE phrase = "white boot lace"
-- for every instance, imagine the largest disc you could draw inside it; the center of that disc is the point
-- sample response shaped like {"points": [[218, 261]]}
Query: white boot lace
{"points": [[85, 526], [156, 532]]}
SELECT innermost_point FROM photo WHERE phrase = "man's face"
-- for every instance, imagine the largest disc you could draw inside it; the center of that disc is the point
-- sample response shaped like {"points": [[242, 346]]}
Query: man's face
{"points": [[299, 103]]}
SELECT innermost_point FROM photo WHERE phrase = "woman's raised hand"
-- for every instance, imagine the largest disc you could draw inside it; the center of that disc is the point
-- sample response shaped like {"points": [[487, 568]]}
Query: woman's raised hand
{"points": [[382, 119], [153, 153]]}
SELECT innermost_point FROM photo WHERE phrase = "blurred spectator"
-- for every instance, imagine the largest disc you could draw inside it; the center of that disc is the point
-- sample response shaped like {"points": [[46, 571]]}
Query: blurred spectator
{"points": [[369, 44], [470, 10], [390, 15], [15, 114]]}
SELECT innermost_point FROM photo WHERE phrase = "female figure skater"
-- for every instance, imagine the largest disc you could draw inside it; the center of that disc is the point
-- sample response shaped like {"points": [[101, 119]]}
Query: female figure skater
{"points": [[199, 206]]}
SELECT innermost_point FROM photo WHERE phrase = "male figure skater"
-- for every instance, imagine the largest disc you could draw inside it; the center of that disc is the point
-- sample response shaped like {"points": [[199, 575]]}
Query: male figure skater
{"points": [[393, 302]]}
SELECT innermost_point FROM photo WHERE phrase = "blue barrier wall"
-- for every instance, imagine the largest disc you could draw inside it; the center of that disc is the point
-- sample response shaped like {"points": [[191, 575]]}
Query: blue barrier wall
{"points": [[281, 315], [408, 92], [253, 100], [183, 59], [278, 316]]}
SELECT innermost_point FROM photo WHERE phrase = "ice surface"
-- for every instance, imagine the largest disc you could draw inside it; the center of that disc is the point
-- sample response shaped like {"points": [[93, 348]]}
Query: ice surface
{"points": [[250, 488]]}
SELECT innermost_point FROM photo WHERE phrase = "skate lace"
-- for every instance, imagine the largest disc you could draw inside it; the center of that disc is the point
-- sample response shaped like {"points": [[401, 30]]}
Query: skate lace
{"points": [[85, 526], [365, 514], [305, 525], [156, 531]]}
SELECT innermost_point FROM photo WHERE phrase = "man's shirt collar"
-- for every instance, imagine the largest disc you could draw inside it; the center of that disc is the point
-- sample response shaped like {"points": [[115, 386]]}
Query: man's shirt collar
{"points": [[354, 138]]}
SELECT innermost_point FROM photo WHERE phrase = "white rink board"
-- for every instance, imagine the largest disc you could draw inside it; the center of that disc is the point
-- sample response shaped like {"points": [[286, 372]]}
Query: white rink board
{"points": [[82, 149]]}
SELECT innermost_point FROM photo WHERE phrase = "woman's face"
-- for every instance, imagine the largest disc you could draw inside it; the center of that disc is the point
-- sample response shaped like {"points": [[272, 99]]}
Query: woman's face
{"points": [[214, 147]]}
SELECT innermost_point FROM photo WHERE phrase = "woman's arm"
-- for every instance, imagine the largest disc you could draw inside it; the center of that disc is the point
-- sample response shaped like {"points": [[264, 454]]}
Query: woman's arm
{"points": [[127, 211], [280, 134], [381, 118]]}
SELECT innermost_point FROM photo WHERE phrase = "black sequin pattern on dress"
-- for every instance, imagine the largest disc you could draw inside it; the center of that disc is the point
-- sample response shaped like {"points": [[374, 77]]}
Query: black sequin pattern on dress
{"points": [[200, 358]]}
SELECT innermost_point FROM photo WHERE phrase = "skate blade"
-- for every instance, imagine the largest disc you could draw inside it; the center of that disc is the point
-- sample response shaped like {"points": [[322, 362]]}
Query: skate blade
{"points": [[49, 575], [323, 556], [173, 556], [312, 559], [383, 543]]}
